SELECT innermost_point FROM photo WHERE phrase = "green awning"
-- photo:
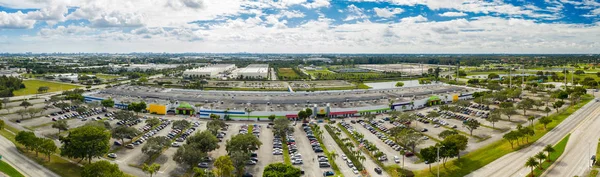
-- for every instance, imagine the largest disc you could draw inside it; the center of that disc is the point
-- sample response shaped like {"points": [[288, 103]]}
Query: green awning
{"points": [[434, 98]]}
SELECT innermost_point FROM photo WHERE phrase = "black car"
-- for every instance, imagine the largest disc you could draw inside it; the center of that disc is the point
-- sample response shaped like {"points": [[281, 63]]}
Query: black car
{"points": [[378, 170]]}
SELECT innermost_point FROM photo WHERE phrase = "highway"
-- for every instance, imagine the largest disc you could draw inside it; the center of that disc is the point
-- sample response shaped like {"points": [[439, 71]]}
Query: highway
{"points": [[26, 166], [576, 159], [513, 164]]}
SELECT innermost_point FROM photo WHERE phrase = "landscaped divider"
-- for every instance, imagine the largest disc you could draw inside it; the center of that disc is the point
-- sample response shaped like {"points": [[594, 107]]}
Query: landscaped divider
{"points": [[334, 166], [286, 151], [359, 166], [559, 148]]}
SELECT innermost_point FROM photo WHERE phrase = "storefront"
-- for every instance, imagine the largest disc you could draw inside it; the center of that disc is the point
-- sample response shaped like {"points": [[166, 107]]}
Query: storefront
{"points": [[185, 109]]}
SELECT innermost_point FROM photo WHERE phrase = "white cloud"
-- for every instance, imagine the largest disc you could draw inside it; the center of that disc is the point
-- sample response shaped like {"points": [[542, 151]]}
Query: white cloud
{"points": [[414, 19], [453, 14], [317, 4], [593, 13], [291, 14], [16, 20], [355, 13], [61, 31], [387, 12]]}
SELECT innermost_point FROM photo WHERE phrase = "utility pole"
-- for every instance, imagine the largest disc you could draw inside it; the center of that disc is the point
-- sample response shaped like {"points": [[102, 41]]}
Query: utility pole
{"points": [[510, 77], [522, 78]]}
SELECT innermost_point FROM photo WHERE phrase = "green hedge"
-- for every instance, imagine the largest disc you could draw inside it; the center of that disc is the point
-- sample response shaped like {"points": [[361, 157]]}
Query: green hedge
{"points": [[345, 149]]}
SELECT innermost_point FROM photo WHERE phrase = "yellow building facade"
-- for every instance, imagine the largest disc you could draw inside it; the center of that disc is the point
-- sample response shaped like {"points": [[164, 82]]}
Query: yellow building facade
{"points": [[157, 109]]}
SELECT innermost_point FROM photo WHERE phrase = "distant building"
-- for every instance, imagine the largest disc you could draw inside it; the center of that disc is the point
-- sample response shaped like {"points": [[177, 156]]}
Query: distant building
{"points": [[67, 77], [326, 60], [142, 67], [210, 71], [254, 71]]}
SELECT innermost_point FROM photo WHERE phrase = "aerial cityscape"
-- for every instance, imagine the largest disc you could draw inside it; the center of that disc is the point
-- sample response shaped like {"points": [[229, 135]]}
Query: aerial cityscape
{"points": [[299, 88]]}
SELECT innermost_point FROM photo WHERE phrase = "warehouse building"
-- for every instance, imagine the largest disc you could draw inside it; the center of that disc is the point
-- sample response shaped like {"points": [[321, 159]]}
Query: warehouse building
{"points": [[210, 71], [254, 71]]}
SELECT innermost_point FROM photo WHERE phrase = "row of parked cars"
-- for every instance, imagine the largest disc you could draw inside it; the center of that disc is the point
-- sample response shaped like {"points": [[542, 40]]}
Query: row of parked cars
{"points": [[185, 134], [480, 106], [468, 111], [383, 137], [314, 143], [367, 144], [129, 123], [68, 113], [253, 155], [149, 134]]}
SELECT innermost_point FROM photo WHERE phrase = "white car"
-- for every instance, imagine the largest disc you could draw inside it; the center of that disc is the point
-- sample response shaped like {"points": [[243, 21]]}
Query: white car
{"points": [[354, 170], [344, 156], [396, 159], [112, 155]]}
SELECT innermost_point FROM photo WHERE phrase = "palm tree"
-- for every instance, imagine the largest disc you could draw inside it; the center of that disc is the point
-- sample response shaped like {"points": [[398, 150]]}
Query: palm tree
{"points": [[370, 117], [248, 110], [549, 149], [151, 169], [541, 156], [361, 158], [333, 154], [532, 163]]}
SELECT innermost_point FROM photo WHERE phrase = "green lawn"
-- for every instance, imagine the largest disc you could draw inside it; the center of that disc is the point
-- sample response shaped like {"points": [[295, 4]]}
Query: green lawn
{"points": [[287, 72], [31, 87], [9, 170], [559, 149], [324, 71], [485, 155], [106, 76]]}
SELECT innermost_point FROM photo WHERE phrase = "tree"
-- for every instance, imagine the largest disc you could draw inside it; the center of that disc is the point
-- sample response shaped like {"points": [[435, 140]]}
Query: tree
{"points": [[34, 111], [531, 162], [494, 117], [81, 109], [153, 121], [22, 113], [151, 169], [2, 124], [509, 111], [101, 168], [47, 147], [526, 132], [85, 142], [223, 166], [511, 137], [215, 117], [239, 159], [457, 141], [302, 115], [109, 103], [433, 114], [281, 169], [155, 145], [281, 126], [545, 121], [215, 125], [525, 104], [409, 138], [122, 132], [549, 149], [137, 107], [369, 117], [547, 110], [429, 154], [447, 133], [204, 141], [309, 112], [579, 72], [25, 104], [493, 76], [125, 116], [62, 105], [242, 142], [181, 124], [506, 105], [531, 119], [541, 156], [187, 155], [399, 84], [272, 117], [558, 104], [472, 125], [43, 89], [27, 139], [61, 125]]}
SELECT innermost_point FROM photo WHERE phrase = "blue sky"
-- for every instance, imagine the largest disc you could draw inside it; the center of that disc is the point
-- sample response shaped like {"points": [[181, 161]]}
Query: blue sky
{"points": [[301, 26]]}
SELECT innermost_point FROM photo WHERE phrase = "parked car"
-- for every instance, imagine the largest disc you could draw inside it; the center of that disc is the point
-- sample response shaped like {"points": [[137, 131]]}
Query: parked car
{"points": [[378, 170], [328, 173], [112, 155]]}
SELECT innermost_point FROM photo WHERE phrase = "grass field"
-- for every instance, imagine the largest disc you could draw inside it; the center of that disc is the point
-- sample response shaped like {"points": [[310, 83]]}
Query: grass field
{"points": [[559, 148], [106, 76], [485, 155], [324, 71], [31, 87], [287, 72], [9, 170]]}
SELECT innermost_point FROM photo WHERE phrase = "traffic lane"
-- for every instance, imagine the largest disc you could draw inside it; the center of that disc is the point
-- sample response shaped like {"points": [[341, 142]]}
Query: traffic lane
{"points": [[265, 152], [309, 165], [344, 168], [38, 120], [233, 129], [23, 164], [582, 144], [386, 149], [512, 162]]}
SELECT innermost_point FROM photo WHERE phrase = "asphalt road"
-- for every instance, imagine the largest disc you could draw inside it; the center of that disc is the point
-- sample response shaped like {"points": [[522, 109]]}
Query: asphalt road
{"points": [[23, 164], [582, 144], [513, 164]]}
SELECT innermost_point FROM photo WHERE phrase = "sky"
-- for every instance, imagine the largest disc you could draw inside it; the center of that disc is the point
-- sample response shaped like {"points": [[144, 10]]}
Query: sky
{"points": [[301, 26]]}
